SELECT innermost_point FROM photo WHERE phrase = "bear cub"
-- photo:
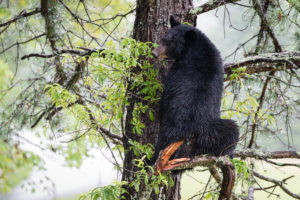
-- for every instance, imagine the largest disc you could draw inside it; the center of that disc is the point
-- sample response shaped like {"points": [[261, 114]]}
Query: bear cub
{"points": [[191, 100]]}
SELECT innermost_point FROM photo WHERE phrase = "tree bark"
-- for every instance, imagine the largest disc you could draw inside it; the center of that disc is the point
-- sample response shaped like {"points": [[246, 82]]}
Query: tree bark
{"points": [[151, 23]]}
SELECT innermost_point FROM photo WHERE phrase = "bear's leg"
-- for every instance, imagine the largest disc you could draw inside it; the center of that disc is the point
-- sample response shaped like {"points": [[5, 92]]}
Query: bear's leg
{"points": [[163, 162]]}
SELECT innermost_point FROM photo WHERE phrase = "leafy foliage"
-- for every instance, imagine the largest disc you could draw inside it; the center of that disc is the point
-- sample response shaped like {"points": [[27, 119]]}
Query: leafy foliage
{"points": [[110, 192], [15, 165], [114, 69], [241, 167], [111, 70]]}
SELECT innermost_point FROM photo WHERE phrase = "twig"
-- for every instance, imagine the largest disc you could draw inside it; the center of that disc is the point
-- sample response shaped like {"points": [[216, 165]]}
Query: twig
{"points": [[211, 5], [279, 183], [77, 19], [101, 128], [23, 42], [282, 164], [240, 46], [261, 100]]}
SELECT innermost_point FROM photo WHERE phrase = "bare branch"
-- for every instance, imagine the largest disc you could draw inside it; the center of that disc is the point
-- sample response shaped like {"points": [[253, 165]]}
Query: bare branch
{"points": [[282, 164], [77, 19], [281, 184], [103, 130], [214, 172], [266, 63], [223, 163], [109, 134], [261, 101], [115, 16], [241, 46], [23, 42], [266, 25], [210, 5], [21, 15], [87, 52], [267, 155]]}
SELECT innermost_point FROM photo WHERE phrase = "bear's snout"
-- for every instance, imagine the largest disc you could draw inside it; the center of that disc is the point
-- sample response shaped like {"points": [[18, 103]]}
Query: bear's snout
{"points": [[160, 52]]}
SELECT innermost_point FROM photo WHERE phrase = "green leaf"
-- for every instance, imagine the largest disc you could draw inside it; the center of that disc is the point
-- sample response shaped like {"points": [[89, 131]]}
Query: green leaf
{"points": [[151, 116], [156, 189]]}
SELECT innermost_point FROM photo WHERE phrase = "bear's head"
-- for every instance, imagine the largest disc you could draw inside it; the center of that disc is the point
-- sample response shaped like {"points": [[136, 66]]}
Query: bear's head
{"points": [[177, 41]]}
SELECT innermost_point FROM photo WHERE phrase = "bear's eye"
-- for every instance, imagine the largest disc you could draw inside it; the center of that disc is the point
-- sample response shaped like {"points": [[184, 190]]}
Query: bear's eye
{"points": [[164, 41], [168, 37]]}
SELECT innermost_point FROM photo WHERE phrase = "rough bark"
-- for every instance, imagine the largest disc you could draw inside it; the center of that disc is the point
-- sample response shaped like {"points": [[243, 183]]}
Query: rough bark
{"points": [[152, 21], [49, 11]]}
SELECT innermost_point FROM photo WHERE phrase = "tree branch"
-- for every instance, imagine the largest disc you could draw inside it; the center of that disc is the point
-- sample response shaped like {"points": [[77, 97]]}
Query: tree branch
{"points": [[103, 130], [261, 101], [266, 25], [86, 52], [78, 21], [228, 170], [23, 42], [214, 172], [223, 163], [21, 15], [266, 63], [282, 164], [210, 5], [277, 183], [267, 155]]}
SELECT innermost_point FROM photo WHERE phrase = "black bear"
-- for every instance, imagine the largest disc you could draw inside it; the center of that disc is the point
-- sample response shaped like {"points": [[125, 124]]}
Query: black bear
{"points": [[191, 100]]}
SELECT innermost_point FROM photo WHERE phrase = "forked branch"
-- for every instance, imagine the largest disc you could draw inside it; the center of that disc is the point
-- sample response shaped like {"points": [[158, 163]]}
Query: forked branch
{"points": [[228, 170], [223, 163]]}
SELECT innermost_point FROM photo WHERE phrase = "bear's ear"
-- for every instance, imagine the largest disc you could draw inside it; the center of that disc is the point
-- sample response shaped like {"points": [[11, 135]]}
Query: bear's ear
{"points": [[173, 21], [190, 36]]}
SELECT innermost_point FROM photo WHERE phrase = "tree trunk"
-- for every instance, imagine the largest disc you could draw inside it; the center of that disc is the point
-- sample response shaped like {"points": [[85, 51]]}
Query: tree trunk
{"points": [[151, 23]]}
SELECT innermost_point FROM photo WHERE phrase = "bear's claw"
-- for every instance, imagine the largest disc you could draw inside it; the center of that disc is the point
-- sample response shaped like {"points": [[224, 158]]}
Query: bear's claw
{"points": [[175, 163], [163, 164]]}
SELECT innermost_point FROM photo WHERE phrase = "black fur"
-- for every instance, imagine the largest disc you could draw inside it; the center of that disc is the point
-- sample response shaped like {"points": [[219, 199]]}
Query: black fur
{"points": [[190, 105]]}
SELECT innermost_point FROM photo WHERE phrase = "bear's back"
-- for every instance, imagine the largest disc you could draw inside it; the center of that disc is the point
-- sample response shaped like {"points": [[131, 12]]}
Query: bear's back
{"points": [[194, 83]]}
